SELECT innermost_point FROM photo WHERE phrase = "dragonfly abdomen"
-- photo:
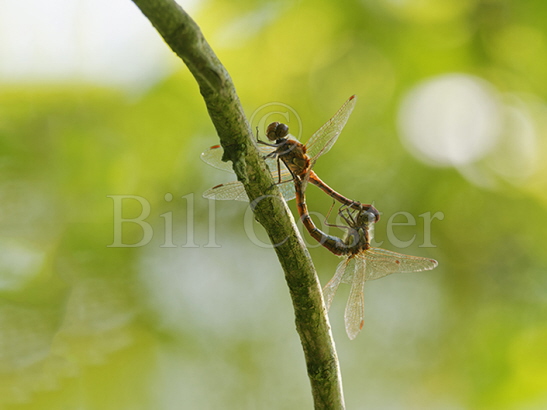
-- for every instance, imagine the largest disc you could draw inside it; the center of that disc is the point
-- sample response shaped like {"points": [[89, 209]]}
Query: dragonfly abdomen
{"points": [[318, 182], [332, 243]]}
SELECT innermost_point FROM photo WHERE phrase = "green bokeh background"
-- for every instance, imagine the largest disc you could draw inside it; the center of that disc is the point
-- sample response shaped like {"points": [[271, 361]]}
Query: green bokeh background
{"points": [[208, 324]]}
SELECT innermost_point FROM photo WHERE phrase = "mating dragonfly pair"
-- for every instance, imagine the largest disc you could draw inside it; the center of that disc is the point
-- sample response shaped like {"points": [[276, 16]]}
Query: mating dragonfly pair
{"points": [[289, 160]]}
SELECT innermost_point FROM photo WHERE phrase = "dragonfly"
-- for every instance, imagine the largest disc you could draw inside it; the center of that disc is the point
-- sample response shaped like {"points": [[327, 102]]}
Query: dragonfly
{"points": [[287, 158], [361, 262]]}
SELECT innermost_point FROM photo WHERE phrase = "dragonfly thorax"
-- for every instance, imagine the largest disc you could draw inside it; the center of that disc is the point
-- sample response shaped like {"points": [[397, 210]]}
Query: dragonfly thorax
{"points": [[293, 155], [357, 239], [360, 225]]}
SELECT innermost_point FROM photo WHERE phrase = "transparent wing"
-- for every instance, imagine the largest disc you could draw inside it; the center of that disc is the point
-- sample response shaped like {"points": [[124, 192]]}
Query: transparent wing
{"points": [[354, 316], [330, 288], [287, 189], [325, 137], [231, 191], [235, 191], [213, 157], [380, 263]]}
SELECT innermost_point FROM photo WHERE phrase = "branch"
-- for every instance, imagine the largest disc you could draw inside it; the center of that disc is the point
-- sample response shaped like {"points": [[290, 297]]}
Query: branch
{"points": [[184, 37]]}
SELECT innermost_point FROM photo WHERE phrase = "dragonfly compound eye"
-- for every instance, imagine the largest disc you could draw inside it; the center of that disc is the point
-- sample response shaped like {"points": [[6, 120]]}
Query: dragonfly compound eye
{"points": [[373, 215], [367, 218], [277, 130]]}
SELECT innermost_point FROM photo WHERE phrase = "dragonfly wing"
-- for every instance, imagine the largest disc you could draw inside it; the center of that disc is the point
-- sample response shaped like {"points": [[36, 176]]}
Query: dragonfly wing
{"points": [[287, 190], [213, 157], [234, 191], [279, 171], [354, 316], [343, 269], [330, 288], [380, 263], [325, 137]]}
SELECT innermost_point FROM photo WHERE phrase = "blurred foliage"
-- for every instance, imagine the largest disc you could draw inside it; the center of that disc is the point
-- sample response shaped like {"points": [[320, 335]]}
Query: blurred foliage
{"points": [[208, 324]]}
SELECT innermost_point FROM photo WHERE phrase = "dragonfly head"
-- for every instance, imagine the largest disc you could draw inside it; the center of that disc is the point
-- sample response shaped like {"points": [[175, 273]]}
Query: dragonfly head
{"points": [[372, 214], [276, 131], [367, 218]]}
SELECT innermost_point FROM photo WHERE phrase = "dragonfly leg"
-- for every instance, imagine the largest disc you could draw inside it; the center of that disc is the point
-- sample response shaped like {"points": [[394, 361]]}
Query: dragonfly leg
{"points": [[346, 215], [277, 152], [279, 182], [271, 154], [293, 175], [282, 182], [334, 225], [330, 209]]}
